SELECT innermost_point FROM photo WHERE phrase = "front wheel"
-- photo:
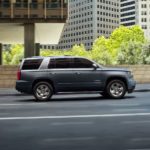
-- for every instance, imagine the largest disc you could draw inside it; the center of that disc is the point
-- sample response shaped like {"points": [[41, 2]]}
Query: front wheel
{"points": [[116, 89], [42, 91]]}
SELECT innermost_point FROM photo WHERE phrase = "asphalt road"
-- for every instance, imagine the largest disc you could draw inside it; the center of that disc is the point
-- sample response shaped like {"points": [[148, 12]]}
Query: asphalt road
{"points": [[74, 122]]}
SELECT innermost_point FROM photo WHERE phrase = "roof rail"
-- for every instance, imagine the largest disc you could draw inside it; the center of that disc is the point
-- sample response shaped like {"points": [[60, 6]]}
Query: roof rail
{"points": [[36, 56]]}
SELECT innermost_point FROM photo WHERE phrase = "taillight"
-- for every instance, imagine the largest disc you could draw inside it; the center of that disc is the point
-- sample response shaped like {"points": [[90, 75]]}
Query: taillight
{"points": [[18, 75]]}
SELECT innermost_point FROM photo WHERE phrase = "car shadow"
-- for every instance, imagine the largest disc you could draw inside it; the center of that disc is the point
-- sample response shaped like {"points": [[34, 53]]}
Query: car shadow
{"points": [[76, 99], [17, 94]]}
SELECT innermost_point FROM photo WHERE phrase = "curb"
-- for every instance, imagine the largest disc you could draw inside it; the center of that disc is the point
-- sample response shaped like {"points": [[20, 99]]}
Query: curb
{"points": [[142, 90]]}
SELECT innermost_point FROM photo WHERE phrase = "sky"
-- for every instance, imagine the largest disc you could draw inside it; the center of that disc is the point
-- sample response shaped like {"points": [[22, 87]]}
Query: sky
{"points": [[45, 33]]}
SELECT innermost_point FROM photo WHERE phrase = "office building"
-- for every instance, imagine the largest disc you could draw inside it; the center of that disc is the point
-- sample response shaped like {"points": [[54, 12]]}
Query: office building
{"points": [[89, 19]]}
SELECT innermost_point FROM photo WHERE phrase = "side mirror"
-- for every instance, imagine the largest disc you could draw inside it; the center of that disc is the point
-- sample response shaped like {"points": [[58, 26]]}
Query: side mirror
{"points": [[95, 66]]}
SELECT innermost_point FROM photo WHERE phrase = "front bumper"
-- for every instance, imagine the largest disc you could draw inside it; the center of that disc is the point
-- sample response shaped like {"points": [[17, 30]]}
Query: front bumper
{"points": [[131, 85], [24, 86]]}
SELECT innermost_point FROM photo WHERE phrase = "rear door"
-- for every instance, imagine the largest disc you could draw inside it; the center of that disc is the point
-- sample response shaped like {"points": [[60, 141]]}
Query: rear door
{"points": [[61, 73]]}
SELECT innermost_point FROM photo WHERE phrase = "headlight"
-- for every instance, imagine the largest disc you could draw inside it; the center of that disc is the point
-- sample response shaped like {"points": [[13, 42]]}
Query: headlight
{"points": [[129, 73]]}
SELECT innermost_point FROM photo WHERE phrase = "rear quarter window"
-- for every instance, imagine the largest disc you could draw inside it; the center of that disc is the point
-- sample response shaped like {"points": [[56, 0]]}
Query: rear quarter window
{"points": [[31, 64]]}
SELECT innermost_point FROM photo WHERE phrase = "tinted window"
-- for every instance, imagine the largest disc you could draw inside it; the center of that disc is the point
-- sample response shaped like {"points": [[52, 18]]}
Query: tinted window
{"points": [[59, 63], [82, 63], [31, 64]]}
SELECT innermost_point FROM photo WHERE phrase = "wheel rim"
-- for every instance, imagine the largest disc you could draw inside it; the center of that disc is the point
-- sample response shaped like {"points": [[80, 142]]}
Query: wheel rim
{"points": [[43, 91], [116, 89]]}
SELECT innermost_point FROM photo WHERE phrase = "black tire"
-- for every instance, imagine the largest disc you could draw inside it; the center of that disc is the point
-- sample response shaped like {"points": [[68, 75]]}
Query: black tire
{"points": [[116, 89], [42, 91]]}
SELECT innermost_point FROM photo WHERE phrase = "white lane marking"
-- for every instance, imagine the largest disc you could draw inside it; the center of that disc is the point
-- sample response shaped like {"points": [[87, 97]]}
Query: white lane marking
{"points": [[71, 123], [140, 139], [140, 149], [35, 104], [69, 139], [123, 104], [11, 104], [136, 122], [128, 109], [75, 116]]}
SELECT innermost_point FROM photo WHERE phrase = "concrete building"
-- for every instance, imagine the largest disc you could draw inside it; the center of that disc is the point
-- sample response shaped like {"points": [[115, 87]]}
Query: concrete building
{"points": [[49, 46], [136, 12], [89, 19], [27, 13]]}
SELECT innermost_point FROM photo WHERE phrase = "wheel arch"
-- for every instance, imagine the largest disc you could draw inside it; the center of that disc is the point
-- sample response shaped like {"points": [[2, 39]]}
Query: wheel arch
{"points": [[116, 78], [44, 80]]}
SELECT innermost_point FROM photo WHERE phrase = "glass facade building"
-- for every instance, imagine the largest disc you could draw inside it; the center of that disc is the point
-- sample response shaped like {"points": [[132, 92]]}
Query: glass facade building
{"points": [[136, 12]]}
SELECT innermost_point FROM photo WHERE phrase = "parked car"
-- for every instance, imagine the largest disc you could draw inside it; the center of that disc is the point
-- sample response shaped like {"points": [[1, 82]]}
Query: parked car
{"points": [[45, 76]]}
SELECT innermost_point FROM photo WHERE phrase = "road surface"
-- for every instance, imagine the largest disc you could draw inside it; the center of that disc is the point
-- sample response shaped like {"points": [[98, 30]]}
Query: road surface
{"points": [[74, 122]]}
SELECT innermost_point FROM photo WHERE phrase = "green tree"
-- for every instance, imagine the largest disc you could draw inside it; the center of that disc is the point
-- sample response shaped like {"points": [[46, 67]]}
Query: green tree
{"points": [[119, 46], [130, 53], [146, 53], [127, 34], [13, 55], [102, 52], [77, 50]]}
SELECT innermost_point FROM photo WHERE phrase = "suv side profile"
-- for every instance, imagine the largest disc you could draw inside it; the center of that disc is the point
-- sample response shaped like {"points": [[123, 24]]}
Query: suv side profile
{"points": [[45, 76]]}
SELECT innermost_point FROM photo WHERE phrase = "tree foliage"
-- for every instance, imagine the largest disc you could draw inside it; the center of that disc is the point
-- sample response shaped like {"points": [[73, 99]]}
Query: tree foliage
{"points": [[13, 55], [102, 52], [130, 53], [125, 46], [124, 35], [146, 53]]}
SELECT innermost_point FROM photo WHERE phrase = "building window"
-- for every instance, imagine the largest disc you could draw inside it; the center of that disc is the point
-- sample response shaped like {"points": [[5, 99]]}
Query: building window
{"points": [[143, 13], [144, 6], [5, 3], [34, 4], [144, 27], [144, 19]]}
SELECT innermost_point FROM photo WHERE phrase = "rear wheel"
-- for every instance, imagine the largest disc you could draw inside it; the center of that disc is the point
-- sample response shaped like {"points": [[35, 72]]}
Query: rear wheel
{"points": [[116, 89], [42, 91]]}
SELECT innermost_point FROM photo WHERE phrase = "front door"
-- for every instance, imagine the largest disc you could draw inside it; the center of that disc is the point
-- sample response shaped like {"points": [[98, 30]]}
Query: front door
{"points": [[87, 78]]}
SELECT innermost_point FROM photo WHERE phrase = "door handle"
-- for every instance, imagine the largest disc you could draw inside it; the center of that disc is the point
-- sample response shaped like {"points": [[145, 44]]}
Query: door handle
{"points": [[77, 73], [52, 73]]}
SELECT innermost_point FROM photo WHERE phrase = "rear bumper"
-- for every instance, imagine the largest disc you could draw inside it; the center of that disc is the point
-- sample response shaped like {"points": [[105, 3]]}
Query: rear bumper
{"points": [[24, 86], [131, 85]]}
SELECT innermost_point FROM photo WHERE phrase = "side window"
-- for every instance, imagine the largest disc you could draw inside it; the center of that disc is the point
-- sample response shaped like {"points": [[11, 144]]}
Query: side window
{"points": [[59, 63], [82, 63], [51, 64], [32, 64]]}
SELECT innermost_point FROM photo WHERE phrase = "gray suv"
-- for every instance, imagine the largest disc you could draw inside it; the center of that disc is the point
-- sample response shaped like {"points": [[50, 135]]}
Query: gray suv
{"points": [[45, 76]]}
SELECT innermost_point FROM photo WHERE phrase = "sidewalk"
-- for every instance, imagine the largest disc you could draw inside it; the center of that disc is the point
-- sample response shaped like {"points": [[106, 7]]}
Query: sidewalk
{"points": [[142, 88]]}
